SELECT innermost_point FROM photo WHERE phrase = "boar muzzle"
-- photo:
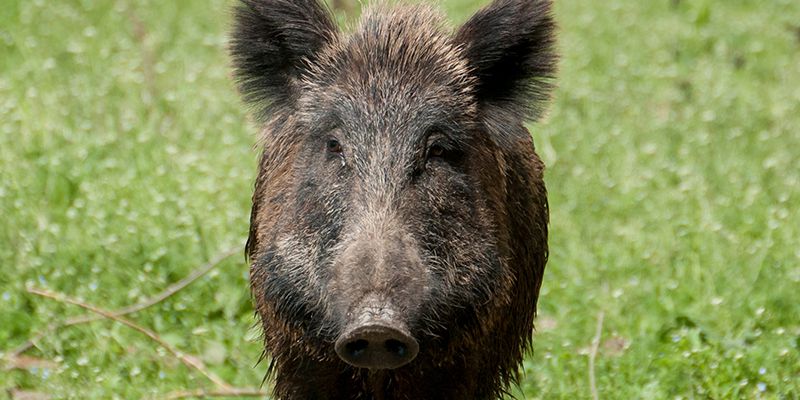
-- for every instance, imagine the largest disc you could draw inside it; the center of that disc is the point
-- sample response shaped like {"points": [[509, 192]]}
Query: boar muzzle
{"points": [[376, 339]]}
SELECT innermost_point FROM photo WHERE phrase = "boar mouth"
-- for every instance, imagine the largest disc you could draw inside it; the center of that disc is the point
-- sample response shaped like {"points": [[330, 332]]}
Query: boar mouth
{"points": [[376, 338]]}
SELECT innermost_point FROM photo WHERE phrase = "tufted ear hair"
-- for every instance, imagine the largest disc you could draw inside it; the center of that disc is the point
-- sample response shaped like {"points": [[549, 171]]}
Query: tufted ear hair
{"points": [[271, 45], [510, 46]]}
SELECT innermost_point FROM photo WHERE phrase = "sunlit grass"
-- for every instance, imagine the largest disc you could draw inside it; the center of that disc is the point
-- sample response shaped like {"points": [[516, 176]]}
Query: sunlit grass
{"points": [[673, 148]]}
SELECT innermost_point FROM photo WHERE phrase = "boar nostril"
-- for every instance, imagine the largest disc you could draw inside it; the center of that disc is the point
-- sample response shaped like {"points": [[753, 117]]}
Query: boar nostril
{"points": [[395, 347], [376, 346], [357, 348]]}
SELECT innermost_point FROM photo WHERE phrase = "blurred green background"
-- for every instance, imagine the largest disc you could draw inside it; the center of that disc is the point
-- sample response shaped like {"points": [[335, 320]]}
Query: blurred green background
{"points": [[673, 152]]}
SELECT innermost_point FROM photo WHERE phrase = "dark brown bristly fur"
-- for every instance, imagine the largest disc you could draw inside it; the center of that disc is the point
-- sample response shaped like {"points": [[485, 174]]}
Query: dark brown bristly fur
{"points": [[398, 182]]}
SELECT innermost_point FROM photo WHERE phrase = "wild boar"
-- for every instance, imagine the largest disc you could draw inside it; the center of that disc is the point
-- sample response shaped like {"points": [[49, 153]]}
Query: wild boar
{"points": [[398, 233]]}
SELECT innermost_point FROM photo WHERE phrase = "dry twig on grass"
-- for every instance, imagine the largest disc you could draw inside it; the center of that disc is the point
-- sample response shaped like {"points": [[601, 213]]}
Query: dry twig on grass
{"points": [[166, 293], [224, 389], [593, 354], [191, 362]]}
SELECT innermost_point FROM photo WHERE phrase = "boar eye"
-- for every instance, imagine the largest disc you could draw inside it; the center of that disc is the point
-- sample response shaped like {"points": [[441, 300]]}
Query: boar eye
{"points": [[334, 146], [436, 151]]}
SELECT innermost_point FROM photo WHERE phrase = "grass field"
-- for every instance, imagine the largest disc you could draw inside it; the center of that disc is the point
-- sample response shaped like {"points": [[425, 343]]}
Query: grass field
{"points": [[673, 147]]}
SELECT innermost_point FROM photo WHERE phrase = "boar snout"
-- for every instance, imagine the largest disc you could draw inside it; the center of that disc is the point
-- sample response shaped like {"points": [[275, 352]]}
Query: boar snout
{"points": [[376, 339]]}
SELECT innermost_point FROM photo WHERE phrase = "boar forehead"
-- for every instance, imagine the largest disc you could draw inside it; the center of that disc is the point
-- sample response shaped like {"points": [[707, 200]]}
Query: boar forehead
{"points": [[397, 75]]}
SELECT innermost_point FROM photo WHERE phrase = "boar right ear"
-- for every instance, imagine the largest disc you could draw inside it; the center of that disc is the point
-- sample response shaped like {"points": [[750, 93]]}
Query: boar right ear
{"points": [[271, 44], [510, 47]]}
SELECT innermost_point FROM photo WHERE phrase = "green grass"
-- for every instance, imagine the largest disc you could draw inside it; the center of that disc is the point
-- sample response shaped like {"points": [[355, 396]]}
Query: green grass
{"points": [[673, 152]]}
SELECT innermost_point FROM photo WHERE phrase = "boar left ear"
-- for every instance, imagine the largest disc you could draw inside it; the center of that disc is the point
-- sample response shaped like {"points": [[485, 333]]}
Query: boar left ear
{"points": [[510, 47], [272, 43]]}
